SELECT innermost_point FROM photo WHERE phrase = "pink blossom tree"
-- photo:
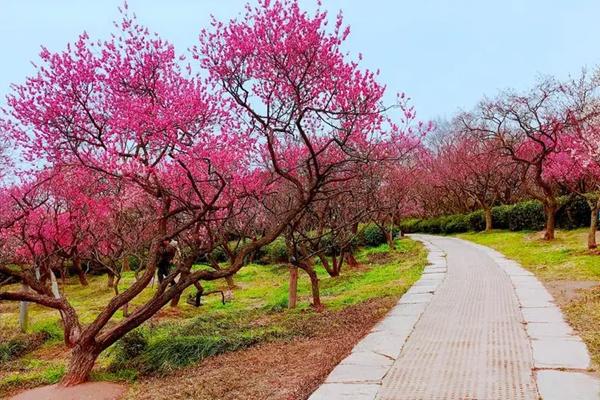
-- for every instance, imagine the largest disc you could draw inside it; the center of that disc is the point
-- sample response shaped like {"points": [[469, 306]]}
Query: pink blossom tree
{"points": [[527, 128], [282, 101]]}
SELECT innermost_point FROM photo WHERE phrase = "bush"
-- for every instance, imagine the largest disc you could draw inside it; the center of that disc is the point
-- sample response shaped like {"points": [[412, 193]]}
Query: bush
{"points": [[411, 225], [456, 224], [132, 344], [372, 236], [275, 252], [574, 213], [501, 216], [476, 221], [527, 216], [18, 346]]}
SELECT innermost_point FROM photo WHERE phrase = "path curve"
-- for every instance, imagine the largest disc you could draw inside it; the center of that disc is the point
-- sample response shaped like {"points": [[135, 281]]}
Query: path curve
{"points": [[484, 330]]}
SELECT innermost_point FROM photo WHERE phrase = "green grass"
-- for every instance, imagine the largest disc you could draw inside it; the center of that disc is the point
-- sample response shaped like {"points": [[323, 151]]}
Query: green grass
{"points": [[565, 258], [258, 313], [560, 260]]}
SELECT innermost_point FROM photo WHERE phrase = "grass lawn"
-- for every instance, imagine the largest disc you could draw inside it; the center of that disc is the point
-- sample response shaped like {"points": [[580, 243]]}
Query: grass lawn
{"points": [[250, 336], [566, 267]]}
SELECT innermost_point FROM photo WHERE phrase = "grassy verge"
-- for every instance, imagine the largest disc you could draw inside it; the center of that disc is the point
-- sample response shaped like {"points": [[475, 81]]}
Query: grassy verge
{"points": [[256, 316], [568, 270]]}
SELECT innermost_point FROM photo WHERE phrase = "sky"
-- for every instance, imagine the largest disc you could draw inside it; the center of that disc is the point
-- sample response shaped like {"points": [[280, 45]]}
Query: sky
{"points": [[444, 54]]}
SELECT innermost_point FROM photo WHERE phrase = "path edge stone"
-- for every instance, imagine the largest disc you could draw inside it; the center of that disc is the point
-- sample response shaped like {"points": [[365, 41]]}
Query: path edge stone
{"points": [[359, 376]]}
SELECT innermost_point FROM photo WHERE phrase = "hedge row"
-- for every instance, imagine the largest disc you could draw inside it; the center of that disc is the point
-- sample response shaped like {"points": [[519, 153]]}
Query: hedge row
{"points": [[527, 215], [369, 236]]}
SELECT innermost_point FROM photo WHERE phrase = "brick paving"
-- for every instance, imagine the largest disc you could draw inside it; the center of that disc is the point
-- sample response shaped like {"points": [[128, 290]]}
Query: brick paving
{"points": [[470, 343]]}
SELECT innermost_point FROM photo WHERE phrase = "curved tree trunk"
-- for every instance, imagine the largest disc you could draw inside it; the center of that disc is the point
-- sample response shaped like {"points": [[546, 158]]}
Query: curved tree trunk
{"points": [[327, 266], [314, 284], [83, 358], [487, 212]]}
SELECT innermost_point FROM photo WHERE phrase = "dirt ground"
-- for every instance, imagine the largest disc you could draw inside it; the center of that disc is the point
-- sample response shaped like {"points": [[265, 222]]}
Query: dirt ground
{"points": [[276, 371], [565, 292], [87, 391]]}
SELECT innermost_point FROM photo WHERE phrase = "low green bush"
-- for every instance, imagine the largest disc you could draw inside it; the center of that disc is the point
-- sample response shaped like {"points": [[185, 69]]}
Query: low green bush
{"points": [[476, 221], [456, 223], [275, 252], [527, 216], [372, 236], [501, 216], [573, 212]]}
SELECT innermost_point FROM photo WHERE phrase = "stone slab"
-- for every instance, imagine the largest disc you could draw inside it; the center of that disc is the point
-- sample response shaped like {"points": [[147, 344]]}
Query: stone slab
{"points": [[416, 298], [351, 373], [408, 309], [560, 353], [367, 358], [540, 330], [345, 391], [542, 314], [563, 385]]}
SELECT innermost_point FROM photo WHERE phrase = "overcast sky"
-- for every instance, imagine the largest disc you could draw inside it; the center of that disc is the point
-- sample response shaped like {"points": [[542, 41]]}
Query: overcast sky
{"points": [[443, 54]]}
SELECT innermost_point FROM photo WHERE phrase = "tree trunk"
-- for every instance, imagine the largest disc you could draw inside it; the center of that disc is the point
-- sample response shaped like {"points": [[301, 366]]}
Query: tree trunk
{"points": [[111, 280], [593, 226], [351, 260], [389, 237], [126, 266], [332, 273], [79, 270], [293, 291], [83, 357], [230, 282], [24, 311], [487, 212], [550, 209], [314, 285]]}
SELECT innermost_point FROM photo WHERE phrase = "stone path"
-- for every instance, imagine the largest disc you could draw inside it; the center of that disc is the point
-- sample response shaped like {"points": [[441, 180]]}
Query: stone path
{"points": [[476, 326]]}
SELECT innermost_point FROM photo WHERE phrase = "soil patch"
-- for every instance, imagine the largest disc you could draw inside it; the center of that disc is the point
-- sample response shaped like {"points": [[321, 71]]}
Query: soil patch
{"points": [[287, 370], [86, 391], [565, 292]]}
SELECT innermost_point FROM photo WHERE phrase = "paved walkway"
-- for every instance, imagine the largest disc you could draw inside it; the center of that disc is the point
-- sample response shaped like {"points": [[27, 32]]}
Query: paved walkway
{"points": [[470, 343], [476, 326]]}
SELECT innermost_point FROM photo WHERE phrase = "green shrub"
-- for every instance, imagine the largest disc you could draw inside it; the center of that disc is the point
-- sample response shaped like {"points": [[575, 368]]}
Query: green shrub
{"points": [[527, 216], [411, 225], [132, 344], [501, 216], [18, 346], [373, 236], [573, 213], [276, 252], [456, 223], [476, 221], [13, 348]]}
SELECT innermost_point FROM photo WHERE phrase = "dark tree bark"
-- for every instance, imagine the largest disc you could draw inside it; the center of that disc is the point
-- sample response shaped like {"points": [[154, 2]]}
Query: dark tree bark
{"points": [[79, 270], [83, 358], [487, 212]]}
